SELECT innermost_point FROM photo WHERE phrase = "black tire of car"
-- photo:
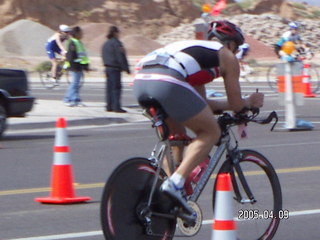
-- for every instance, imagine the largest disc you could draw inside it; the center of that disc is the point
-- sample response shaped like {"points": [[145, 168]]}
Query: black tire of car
{"points": [[3, 119]]}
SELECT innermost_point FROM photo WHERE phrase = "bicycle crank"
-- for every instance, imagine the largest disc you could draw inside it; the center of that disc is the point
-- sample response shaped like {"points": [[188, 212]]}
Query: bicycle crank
{"points": [[187, 229]]}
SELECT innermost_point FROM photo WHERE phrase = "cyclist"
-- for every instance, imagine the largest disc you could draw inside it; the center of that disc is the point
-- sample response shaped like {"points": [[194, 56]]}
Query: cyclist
{"points": [[175, 76], [55, 45], [291, 36], [242, 53]]}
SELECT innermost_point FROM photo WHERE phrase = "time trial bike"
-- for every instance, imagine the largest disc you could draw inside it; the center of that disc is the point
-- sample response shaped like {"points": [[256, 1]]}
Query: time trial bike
{"points": [[133, 207]]}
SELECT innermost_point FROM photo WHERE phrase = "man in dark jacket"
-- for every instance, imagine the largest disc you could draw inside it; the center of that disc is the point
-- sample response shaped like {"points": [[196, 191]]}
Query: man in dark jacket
{"points": [[115, 61]]}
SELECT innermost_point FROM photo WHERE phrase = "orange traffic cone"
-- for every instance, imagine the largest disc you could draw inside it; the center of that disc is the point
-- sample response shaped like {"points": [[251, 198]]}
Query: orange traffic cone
{"points": [[306, 81], [223, 227], [62, 190]]}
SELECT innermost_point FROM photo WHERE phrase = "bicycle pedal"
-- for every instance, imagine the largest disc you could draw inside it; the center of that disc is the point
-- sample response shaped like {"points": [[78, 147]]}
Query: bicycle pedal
{"points": [[188, 219], [188, 224]]}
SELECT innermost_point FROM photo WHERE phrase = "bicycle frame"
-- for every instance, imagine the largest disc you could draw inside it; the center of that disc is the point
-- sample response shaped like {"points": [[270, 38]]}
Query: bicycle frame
{"points": [[163, 148], [218, 154], [157, 216]]}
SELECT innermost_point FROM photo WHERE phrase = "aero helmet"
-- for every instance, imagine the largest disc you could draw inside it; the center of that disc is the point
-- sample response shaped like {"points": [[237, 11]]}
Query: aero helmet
{"points": [[226, 31], [64, 28]]}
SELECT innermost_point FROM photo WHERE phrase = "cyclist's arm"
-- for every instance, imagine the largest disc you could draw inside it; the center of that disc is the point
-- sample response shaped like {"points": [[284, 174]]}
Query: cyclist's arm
{"points": [[215, 105], [60, 44], [229, 67]]}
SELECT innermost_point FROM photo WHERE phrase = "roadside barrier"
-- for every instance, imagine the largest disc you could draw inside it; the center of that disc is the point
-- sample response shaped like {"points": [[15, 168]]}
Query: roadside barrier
{"points": [[224, 226], [62, 191], [291, 92], [306, 81]]}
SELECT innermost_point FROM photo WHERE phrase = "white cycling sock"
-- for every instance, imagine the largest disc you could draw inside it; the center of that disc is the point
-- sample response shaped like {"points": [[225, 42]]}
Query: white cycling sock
{"points": [[178, 180]]}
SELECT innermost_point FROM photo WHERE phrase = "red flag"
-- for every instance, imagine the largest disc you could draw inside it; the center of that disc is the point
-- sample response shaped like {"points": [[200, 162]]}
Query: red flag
{"points": [[218, 7]]}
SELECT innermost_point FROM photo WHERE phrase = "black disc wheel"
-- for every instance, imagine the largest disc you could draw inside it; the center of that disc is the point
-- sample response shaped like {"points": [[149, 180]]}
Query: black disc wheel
{"points": [[126, 212]]}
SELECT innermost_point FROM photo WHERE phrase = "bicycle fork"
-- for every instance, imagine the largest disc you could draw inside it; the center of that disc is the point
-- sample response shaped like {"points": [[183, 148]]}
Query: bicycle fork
{"points": [[235, 169]]}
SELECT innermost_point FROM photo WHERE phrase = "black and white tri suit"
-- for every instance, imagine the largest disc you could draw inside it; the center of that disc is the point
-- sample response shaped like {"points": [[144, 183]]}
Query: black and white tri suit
{"points": [[168, 75]]}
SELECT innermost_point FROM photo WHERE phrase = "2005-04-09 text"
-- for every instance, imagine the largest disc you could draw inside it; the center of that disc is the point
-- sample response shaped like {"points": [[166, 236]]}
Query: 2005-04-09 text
{"points": [[251, 214]]}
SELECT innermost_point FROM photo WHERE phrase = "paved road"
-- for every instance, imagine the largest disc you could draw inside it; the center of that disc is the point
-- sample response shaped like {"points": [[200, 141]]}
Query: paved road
{"points": [[26, 158]]}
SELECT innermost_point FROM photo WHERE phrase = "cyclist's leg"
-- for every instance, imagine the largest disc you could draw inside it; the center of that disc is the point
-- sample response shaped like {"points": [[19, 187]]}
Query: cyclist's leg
{"points": [[52, 56], [54, 67], [176, 129], [184, 104], [207, 131]]}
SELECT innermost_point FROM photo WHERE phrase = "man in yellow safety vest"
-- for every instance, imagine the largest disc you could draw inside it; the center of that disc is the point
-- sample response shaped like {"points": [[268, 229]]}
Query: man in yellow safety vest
{"points": [[77, 62]]}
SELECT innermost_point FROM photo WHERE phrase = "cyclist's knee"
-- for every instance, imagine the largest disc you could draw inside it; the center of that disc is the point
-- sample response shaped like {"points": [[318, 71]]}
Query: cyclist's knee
{"points": [[209, 131], [205, 126], [212, 133]]}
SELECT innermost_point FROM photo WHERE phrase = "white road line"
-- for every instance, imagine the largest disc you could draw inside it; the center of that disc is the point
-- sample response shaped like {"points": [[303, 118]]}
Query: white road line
{"points": [[98, 233], [63, 236]]}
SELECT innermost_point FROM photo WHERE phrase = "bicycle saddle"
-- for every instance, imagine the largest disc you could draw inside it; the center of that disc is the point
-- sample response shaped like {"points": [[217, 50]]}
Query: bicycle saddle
{"points": [[157, 114], [147, 102]]}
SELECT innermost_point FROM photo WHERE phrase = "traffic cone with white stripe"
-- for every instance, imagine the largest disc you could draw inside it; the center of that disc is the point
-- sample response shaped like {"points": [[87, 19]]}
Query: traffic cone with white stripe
{"points": [[62, 191], [306, 81], [224, 226]]}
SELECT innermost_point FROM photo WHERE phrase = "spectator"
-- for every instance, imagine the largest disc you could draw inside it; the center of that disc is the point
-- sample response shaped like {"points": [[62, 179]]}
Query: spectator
{"points": [[115, 61], [78, 61]]}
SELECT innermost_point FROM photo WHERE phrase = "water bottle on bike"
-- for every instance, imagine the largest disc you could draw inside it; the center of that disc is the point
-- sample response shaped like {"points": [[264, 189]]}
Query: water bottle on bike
{"points": [[195, 175]]}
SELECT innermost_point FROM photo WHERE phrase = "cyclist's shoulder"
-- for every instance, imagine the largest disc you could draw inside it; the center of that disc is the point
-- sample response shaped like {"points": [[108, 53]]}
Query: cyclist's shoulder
{"points": [[227, 59], [52, 38]]}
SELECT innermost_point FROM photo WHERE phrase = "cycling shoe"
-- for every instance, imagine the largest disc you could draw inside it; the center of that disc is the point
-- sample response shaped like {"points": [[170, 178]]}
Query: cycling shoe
{"points": [[177, 194]]}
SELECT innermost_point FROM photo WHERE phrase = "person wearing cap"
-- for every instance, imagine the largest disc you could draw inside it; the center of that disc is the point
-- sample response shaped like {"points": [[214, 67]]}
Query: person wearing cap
{"points": [[115, 61], [55, 46], [175, 77]]}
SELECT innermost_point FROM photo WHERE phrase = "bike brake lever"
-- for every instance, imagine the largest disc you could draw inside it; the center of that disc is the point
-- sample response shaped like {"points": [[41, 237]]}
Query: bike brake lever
{"points": [[275, 116], [272, 115]]}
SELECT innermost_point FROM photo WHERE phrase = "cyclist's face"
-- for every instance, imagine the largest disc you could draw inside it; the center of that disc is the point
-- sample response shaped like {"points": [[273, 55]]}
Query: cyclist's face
{"points": [[233, 47], [65, 34]]}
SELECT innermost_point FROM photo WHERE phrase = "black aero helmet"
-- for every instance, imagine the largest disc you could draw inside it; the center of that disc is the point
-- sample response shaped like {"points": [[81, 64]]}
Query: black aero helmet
{"points": [[225, 31]]}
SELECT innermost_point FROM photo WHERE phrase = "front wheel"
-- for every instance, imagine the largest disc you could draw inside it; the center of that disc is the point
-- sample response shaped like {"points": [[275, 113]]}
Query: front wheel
{"points": [[124, 212], [46, 79], [258, 206]]}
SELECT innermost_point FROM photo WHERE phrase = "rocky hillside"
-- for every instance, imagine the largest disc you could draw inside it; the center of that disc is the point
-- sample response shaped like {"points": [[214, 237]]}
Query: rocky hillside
{"points": [[147, 17], [265, 28], [145, 24]]}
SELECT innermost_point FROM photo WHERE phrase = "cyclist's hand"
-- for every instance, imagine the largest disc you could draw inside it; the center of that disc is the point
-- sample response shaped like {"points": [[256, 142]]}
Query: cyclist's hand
{"points": [[256, 100]]}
